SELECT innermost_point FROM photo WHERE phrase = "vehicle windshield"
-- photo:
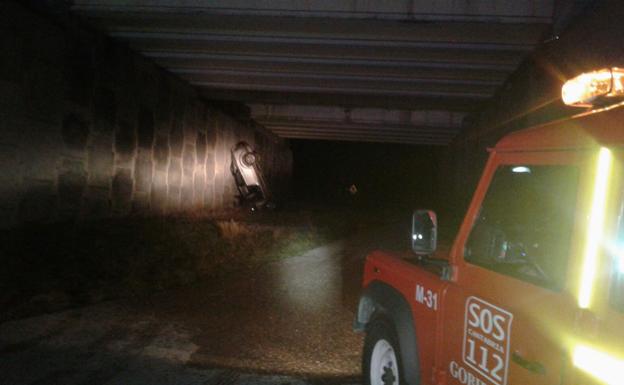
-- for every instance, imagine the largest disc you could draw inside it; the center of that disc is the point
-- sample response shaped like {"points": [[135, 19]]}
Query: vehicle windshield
{"points": [[525, 223]]}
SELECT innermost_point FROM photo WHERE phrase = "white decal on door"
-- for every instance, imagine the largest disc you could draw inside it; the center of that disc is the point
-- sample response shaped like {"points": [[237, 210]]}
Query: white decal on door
{"points": [[427, 297], [487, 331]]}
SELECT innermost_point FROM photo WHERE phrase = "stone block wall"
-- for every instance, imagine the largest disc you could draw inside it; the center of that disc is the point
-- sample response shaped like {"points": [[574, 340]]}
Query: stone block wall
{"points": [[88, 129]]}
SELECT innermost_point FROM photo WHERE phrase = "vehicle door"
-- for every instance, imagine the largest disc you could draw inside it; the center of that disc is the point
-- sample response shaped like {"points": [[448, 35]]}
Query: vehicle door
{"points": [[509, 308], [597, 346]]}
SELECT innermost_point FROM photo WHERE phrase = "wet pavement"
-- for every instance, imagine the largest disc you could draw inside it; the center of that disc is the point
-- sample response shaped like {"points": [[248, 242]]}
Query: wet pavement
{"points": [[288, 322]]}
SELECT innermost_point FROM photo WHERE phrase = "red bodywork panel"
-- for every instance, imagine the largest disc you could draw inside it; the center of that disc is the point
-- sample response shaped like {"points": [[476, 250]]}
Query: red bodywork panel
{"points": [[536, 328], [405, 276]]}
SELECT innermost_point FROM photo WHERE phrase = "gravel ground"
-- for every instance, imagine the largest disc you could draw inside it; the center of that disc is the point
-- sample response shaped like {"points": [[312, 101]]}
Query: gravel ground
{"points": [[286, 323]]}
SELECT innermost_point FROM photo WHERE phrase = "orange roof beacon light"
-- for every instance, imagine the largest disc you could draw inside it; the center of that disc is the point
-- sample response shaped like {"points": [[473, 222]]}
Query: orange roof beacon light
{"points": [[474, 297], [594, 88]]}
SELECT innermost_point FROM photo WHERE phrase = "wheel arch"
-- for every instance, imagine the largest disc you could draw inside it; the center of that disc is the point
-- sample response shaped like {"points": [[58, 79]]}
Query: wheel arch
{"points": [[381, 299]]}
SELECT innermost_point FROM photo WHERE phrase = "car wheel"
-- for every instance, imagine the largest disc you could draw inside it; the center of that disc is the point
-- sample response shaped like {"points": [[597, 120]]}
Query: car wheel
{"points": [[249, 159], [381, 359]]}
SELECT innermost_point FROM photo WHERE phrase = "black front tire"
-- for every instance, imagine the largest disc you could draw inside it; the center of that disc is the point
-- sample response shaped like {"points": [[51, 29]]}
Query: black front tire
{"points": [[381, 360]]}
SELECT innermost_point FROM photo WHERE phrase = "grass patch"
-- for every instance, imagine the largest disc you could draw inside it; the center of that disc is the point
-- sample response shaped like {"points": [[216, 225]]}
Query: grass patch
{"points": [[47, 267]]}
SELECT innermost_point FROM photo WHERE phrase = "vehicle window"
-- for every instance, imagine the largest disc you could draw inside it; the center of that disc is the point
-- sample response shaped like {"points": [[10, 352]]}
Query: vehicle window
{"points": [[525, 223], [616, 297], [617, 287]]}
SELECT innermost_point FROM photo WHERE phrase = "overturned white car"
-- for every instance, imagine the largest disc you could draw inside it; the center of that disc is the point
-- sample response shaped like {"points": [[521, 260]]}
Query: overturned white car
{"points": [[248, 176]]}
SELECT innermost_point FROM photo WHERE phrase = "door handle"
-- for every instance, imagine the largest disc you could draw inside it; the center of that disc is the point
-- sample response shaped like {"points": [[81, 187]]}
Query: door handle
{"points": [[531, 366]]}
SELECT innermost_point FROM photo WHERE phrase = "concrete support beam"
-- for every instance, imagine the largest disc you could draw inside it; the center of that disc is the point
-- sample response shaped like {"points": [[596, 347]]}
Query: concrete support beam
{"points": [[498, 36], [341, 84], [288, 130], [333, 127], [321, 122], [455, 103], [202, 51], [368, 138], [371, 89], [451, 67], [405, 54], [403, 10], [287, 78]]}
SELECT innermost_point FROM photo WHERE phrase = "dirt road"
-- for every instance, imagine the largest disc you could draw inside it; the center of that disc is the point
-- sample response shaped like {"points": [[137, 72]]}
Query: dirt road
{"points": [[288, 322]]}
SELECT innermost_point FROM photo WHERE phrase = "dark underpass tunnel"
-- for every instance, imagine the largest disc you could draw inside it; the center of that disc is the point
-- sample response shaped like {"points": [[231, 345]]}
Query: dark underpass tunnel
{"points": [[371, 176], [189, 190]]}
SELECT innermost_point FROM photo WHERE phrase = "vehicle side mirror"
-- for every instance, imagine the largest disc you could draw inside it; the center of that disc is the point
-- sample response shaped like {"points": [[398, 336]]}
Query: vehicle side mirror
{"points": [[424, 232]]}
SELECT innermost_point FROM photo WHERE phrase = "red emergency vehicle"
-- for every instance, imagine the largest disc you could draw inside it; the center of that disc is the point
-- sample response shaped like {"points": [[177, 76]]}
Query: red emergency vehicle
{"points": [[532, 290]]}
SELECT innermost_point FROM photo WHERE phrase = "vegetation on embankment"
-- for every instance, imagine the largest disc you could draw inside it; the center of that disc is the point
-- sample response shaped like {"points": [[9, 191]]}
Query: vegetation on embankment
{"points": [[51, 267]]}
